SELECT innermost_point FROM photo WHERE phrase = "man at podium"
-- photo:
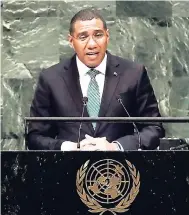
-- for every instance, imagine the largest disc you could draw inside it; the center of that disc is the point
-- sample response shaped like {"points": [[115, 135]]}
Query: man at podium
{"points": [[93, 83]]}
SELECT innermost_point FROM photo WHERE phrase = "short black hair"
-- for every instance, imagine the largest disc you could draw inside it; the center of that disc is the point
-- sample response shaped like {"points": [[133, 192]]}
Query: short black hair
{"points": [[86, 14]]}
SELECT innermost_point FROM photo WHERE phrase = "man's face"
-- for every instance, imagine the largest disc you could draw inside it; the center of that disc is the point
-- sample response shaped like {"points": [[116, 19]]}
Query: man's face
{"points": [[89, 40]]}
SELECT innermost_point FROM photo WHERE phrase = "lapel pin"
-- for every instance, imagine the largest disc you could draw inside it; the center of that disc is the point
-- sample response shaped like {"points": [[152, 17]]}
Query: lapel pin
{"points": [[115, 74]]}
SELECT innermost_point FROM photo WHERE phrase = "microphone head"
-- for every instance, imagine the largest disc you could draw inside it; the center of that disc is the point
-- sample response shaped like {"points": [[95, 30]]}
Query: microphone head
{"points": [[85, 99], [118, 97]]}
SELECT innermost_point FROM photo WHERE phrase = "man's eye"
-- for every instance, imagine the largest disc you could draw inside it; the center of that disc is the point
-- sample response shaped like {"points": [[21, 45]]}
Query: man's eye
{"points": [[99, 35], [82, 37]]}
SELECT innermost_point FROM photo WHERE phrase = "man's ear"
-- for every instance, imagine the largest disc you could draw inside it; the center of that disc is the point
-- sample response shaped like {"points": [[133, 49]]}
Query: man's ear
{"points": [[108, 34], [70, 39]]}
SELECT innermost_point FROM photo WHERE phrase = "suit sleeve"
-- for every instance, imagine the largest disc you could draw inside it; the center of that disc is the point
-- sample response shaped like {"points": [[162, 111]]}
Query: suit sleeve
{"points": [[147, 106], [42, 135]]}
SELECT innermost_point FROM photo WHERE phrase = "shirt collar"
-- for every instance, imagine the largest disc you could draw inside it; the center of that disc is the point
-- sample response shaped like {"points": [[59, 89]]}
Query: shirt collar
{"points": [[83, 69]]}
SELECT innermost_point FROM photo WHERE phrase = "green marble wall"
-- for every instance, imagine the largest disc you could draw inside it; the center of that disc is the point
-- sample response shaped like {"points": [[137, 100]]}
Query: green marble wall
{"points": [[35, 37]]}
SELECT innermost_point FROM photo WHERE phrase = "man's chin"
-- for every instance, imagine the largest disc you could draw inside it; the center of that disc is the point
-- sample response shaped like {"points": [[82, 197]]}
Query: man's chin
{"points": [[92, 64]]}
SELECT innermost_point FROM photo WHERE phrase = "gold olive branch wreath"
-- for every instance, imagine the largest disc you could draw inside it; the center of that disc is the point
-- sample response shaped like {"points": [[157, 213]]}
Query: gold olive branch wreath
{"points": [[94, 206]]}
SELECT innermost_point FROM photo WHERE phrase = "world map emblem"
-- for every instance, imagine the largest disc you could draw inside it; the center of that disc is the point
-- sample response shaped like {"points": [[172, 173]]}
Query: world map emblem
{"points": [[108, 185]]}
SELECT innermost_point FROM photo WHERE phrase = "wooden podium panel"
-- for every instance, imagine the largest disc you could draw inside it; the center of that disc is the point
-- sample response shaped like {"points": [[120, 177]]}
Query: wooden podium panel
{"points": [[85, 183]]}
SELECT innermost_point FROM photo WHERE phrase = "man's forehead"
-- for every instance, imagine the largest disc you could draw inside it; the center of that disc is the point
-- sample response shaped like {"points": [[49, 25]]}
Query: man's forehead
{"points": [[95, 24]]}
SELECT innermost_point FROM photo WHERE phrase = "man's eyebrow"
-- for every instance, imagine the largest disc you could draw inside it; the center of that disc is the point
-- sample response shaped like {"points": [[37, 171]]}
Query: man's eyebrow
{"points": [[86, 32], [83, 32], [99, 30]]}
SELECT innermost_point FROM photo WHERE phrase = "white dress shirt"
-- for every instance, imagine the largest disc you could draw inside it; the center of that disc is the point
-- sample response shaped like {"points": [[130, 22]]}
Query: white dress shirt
{"points": [[85, 78]]}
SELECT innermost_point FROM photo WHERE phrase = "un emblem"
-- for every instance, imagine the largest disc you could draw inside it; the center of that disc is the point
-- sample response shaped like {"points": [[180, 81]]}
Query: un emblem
{"points": [[108, 185]]}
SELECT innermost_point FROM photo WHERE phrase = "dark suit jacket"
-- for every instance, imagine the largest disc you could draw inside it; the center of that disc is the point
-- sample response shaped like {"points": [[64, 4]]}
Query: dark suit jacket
{"points": [[59, 94]]}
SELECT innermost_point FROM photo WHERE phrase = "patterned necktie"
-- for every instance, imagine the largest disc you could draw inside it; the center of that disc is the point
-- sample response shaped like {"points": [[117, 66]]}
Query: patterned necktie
{"points": [[93, 94]]}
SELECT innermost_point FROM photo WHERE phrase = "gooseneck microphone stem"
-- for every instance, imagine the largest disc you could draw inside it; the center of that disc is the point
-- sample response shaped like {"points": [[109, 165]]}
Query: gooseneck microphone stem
{"points": [[85, 100], [135, 127], [182, 146]]}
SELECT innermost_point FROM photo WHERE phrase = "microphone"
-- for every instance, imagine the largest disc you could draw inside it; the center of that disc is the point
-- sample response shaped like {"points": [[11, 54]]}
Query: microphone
{"points": [[119, 99], [182, 146], [85, 100]]}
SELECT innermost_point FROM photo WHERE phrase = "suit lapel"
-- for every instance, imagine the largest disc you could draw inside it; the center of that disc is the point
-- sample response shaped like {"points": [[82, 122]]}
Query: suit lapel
{"points": [[71, 78], [111, 81]]}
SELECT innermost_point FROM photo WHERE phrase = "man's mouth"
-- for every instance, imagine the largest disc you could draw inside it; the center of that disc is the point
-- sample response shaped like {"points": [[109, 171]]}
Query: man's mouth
{"points": [[92, 53]]}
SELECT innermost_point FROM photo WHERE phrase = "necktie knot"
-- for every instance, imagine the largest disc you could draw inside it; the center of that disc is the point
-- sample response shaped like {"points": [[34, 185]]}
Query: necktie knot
{"points": [[93, 73]]}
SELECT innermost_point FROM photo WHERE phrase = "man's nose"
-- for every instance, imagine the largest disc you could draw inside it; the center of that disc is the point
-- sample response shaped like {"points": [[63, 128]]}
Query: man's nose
{"points": [[91, 42]]}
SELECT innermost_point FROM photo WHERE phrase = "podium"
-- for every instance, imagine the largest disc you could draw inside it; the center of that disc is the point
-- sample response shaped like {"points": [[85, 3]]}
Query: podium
{"points": [[102, 183], [133, 182]]}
